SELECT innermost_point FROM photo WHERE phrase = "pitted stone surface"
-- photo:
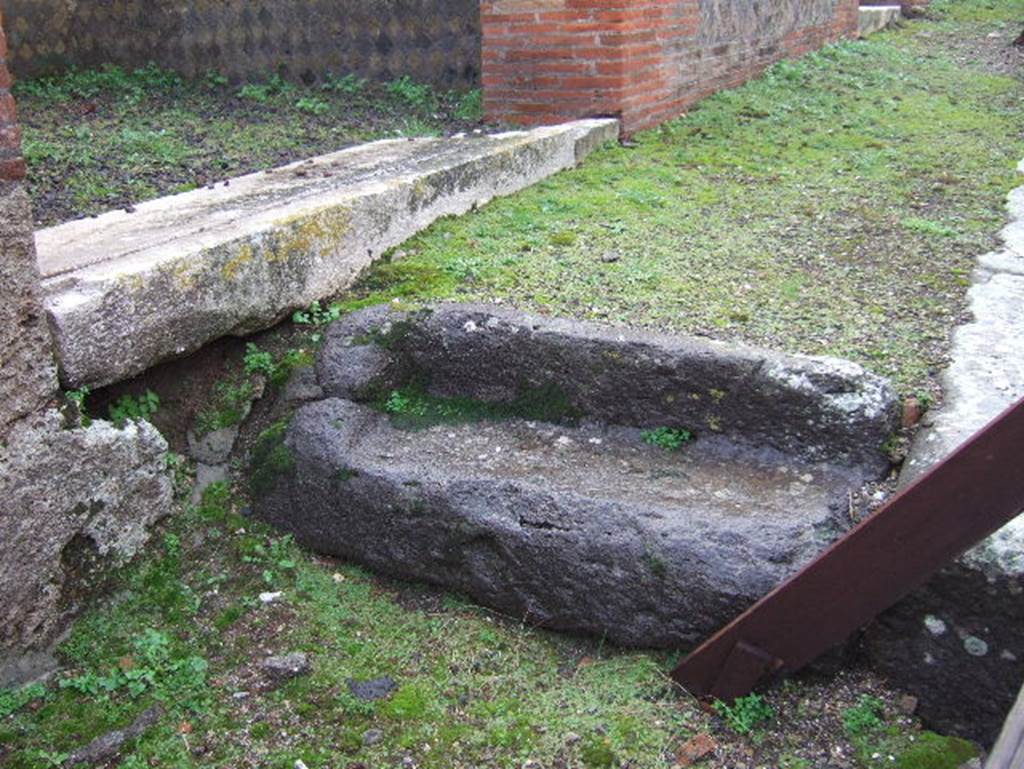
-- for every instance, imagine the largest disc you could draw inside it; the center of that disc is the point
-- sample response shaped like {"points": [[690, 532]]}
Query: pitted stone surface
{"points": [[978, 598], [28, 378], [74, 501], [125, 291], [815, 407], [580, 526]]}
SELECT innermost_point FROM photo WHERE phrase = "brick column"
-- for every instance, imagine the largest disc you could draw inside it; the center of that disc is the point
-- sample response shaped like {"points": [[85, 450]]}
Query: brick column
{"points": [[27, 372], [12, 167], [547, 61], [644, 61]]}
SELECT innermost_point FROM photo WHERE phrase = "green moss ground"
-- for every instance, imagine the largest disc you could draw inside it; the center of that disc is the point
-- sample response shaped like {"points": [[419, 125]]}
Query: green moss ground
{"points": [[185, 629], [834, 206]]}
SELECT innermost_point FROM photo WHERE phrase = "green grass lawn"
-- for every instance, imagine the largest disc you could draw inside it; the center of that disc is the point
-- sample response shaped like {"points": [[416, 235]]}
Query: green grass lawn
{"points": [[107, 138], [834, 206]]}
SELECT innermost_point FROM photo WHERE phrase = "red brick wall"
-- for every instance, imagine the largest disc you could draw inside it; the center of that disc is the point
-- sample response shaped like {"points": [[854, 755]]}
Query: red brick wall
{"points": [[644, 61], [12, 167]]}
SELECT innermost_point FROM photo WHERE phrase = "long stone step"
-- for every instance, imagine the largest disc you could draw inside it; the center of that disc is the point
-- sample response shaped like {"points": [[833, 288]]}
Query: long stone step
{"points": [[127, 290]]}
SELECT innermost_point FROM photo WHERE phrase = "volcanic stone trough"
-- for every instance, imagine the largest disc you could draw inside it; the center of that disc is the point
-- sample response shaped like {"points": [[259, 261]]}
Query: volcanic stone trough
{"points": [[554, 507]]}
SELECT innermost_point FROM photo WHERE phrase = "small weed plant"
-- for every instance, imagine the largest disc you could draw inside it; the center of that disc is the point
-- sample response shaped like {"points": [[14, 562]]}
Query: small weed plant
{"points": [[150, 666], [929, 227], [403, 403], [668, 438], [418, 95], [263, 363], [350, 85], [264, 92], [258, 361], [12, 700], [76, 403], [133, 408], [313, 105], [215, 80], [276, 558], [471, 106], [317, 315], [746, 713], [864, 717]]}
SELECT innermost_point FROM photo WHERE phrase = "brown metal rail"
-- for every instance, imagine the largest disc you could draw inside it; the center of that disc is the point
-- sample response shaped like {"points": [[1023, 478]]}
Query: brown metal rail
{"points": [[963, 499], [1008, 752]]}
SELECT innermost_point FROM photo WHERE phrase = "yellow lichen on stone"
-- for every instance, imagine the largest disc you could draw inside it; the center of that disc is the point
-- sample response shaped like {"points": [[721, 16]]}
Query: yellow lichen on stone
{"points": [[234, 264], [183, 273], [131, 282], [323, 231]]}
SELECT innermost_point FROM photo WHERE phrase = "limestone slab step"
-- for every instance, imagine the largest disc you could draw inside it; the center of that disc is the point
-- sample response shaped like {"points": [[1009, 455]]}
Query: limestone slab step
{"points": [[126, 290], [875, 18]]}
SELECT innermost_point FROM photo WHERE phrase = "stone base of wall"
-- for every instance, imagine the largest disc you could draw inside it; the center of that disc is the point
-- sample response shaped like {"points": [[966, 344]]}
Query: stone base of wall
{"points": [[76, 502], [73, 500], [435, 41], [556, 60]]}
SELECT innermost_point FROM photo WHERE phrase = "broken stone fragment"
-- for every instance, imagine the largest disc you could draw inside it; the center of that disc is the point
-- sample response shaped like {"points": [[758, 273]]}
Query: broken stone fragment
{"points": [[108, 746], [76, 504], [280, 669], [213, 448], [372, 689]]}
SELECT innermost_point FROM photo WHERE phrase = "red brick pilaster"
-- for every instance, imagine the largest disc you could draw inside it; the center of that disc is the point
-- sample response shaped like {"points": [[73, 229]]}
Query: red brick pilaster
{"points": [[12, 166], [547, 61]]}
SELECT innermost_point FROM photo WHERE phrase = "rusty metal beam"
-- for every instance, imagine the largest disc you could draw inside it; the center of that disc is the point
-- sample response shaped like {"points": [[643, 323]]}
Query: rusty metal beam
{"points": [[963, 499]]}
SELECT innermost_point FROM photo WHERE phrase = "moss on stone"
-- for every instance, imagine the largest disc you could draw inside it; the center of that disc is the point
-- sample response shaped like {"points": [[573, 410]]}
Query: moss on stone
{"points": [[413, 407], [271, 458]]}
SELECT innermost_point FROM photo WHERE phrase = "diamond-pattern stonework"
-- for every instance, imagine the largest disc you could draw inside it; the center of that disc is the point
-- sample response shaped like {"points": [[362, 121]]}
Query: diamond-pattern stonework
{"points": [[436, 41]]}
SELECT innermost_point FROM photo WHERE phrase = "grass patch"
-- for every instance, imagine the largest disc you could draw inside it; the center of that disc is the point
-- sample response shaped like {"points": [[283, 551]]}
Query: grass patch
{"points": [[110, 137], [414, 408], [834, 206]]}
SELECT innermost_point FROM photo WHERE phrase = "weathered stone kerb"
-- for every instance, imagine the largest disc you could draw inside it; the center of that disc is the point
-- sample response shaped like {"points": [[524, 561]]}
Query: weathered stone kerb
{"points": [[579, 525], [127, 290], [822, 409]]}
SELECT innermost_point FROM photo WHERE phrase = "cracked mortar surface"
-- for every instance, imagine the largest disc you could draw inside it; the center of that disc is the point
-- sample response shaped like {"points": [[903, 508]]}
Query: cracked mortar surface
{"points": [[964, 630]]}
